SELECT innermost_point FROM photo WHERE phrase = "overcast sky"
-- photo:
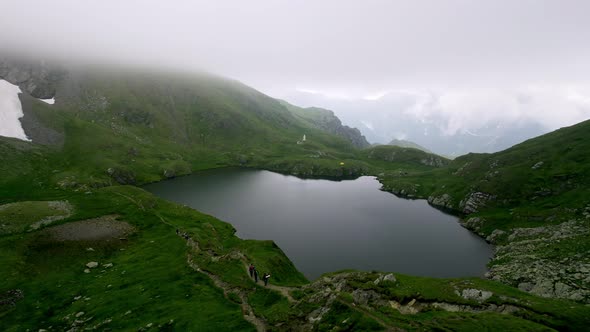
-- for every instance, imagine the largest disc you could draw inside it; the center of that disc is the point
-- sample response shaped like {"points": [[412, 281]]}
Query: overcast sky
{"points": [[472, 51]]}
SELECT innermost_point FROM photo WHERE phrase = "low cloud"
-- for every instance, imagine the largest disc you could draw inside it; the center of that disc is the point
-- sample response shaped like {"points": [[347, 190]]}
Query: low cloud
{"points": [[455, 112]]}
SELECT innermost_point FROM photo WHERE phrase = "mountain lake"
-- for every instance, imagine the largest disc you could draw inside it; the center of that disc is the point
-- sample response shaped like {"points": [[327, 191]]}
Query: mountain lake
{"points": [[326, 226]]}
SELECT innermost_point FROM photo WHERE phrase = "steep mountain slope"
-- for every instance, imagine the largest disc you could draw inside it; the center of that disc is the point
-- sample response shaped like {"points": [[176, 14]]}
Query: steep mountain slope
{"points": [[326, 120], [137, 127], [532, 200], [82, 250]]}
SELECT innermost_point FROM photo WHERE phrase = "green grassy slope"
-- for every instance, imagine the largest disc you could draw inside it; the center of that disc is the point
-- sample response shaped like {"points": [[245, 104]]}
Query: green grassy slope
{"points": [[405, 159], [124, 128], [548, 174], [145, 127], [532, 201], [407, 144]]}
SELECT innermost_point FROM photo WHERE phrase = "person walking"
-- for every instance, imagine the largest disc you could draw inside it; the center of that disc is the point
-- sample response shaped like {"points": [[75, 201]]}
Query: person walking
{"points": [[251, 269], [265, 278], [255, 275]]}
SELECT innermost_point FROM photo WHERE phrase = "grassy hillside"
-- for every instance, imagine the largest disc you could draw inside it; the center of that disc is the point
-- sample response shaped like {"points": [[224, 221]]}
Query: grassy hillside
{"points": [[407, 144], [134, 127], [152, 278], [532, 200], [83, 248], [402, 159]]}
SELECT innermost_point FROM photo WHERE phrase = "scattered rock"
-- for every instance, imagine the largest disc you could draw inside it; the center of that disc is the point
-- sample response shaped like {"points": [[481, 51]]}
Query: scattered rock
{"points": [[473, 223], [445, 201], [523, 261], [496, 234], [525, 286], [433, 161], [80, 314], [409, 309], [316, 315], [361, 296], [86, 270], [91, 265], [476, 294], [475, 201], [63, 210], [537, 165], [10, 297], [121, 176], [387, 277]]}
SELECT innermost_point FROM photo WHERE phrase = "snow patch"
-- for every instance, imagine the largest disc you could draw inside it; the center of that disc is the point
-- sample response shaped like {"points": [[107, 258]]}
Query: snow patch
{"points": [[48, 101], [11, 111]]}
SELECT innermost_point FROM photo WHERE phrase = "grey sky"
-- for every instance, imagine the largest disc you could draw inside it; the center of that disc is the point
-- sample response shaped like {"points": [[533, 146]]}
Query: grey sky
{"points": [[343, 49]]}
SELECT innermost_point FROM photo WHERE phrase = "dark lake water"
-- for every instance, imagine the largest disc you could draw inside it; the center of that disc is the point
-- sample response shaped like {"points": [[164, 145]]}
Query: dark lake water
{"points": [[325, 226]]}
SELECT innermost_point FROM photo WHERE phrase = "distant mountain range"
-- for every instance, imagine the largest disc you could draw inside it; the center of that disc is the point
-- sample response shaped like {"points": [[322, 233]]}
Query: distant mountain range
{"points": [[407, 116]]}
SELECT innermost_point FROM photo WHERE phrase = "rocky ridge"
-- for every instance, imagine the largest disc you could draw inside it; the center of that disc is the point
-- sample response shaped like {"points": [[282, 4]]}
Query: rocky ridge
{"points": [[37, 79], [527, 261]]}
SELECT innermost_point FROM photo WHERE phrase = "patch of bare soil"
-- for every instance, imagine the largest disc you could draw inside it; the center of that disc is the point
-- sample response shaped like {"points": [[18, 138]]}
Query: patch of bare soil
{"points": [[101, 228]]}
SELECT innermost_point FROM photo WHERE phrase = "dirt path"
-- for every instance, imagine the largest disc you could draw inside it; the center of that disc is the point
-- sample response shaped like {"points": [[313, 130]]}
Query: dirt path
{"points": [[284, 290], [247, 311]]}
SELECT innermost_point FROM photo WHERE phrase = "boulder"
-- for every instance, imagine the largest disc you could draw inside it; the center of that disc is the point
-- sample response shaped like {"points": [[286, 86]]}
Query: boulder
{"points": [[444, 200], [91, 265], [475, 201], [387, 277], [360, 296], [476, 294], [537, 165]]}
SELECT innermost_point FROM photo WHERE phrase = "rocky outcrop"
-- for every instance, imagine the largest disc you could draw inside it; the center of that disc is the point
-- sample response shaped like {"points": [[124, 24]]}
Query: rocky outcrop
{"points": [[326, 120], [34, 78], [387, 278], [444, 201], [528, 261], [473, 224], [475, 294], [330, 123], [121, 176], [433, 161], [475, 201], [11, 297], [537, 165]]}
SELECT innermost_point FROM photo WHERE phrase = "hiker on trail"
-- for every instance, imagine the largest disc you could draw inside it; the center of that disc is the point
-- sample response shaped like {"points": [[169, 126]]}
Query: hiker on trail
{"points": [[255, 275], [265, 277], [251, 269]]}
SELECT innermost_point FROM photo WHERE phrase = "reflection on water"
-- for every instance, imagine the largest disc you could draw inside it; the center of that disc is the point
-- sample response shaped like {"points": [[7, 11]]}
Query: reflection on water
{"points": [[324, 226]]}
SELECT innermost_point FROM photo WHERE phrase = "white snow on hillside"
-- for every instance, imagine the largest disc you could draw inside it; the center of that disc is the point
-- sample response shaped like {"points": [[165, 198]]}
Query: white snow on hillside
{"points": [[11, 111], [48, 101]]}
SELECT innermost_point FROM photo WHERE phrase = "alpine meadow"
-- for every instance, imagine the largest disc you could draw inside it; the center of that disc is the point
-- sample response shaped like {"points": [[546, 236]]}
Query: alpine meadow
{"points": [[86, 244]]}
